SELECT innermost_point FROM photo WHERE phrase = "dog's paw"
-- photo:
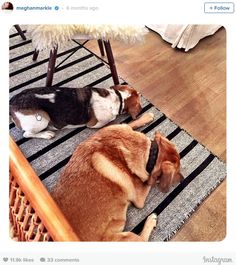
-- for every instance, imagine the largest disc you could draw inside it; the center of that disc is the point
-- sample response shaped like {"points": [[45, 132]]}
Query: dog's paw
{"points": [[43, 135], [152, 220], [147, 117], [151, 115], [47, 135]]}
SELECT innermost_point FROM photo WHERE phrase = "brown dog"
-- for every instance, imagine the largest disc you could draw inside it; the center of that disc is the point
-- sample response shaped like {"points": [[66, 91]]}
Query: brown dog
{"points": [[107, 172]]}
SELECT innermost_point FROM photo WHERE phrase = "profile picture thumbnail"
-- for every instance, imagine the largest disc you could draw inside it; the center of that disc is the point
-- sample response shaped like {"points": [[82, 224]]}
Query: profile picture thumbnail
{"points": [[7, 6]]}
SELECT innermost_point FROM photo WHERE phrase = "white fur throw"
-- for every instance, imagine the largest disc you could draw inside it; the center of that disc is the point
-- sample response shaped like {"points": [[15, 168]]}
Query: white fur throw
{"points": [[49, 36]]}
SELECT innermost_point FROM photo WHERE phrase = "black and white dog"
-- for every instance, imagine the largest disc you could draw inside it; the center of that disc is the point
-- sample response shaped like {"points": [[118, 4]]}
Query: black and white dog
{"points": [[37, 109]]}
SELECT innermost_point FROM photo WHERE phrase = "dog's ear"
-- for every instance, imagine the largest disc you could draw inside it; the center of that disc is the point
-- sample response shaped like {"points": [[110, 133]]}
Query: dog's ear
{"points": [[167, 169], [132, 104], [169, 176]]}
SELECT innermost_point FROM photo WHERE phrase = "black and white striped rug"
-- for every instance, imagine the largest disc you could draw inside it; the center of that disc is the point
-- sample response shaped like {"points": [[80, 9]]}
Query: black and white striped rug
{"points": [[202, 170]]}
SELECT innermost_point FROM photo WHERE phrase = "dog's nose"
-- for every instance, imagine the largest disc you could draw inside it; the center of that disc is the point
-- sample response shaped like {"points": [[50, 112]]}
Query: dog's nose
{"points": [[181, 178]]}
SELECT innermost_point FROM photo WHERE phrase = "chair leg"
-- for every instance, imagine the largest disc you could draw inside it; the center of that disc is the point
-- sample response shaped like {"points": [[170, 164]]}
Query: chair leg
{"points": [[51, 66], [100, 44], [35, 55], [19, 30], [111, 62]]}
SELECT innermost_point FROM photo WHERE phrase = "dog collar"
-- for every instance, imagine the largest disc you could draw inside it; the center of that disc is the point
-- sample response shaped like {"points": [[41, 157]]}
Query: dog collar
{"points": [[120, 99], [153, 153]]}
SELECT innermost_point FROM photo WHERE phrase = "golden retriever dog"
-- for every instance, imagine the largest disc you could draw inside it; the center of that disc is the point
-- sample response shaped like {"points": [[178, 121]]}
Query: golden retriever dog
{"points": [[113, 168]]}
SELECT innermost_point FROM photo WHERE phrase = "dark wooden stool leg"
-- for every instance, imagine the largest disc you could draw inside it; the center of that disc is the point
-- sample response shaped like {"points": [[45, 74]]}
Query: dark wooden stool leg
{"points": [[111, 62], [51, 66], [100, 44], [35, 55], [19, 30]]}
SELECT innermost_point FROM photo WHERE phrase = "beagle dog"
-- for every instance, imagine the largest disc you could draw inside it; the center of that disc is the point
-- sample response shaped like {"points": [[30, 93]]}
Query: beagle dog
{"points": [[37, 110], [113, 168]]}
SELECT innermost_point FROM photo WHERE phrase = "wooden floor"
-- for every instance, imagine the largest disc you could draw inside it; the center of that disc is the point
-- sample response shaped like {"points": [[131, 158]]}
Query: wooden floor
{"points": [[190, 88]]}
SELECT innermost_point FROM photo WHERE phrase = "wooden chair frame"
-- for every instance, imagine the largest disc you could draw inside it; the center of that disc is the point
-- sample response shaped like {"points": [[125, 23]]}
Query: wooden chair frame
{"points": [[20, 31], [34, 215], [101, 44]]}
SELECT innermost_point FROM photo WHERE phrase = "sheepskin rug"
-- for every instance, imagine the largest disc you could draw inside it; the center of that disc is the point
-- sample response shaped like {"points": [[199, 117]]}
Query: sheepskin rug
{"points": [[50, 36]]}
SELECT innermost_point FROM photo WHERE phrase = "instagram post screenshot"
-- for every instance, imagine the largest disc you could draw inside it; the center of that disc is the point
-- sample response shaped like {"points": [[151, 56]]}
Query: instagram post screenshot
{"points": [[118, 135]]}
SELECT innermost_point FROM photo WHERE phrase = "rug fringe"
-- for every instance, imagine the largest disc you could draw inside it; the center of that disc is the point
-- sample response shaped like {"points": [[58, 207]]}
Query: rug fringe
{"points": [[170, 236]]}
